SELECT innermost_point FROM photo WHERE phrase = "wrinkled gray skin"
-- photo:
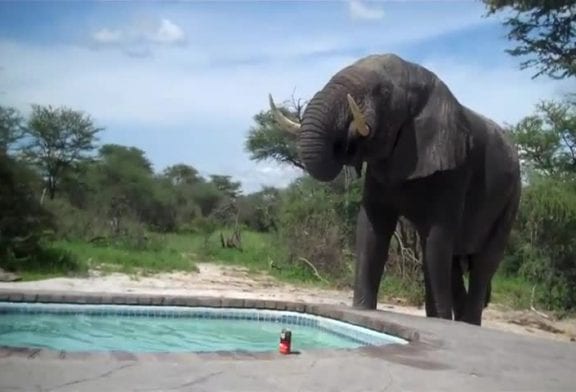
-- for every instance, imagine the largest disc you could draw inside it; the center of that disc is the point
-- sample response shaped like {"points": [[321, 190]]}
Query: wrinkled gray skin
{"points": [[453, 173]]}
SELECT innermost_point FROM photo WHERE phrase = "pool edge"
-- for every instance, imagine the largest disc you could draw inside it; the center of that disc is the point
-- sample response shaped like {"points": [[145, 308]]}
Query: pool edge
{"points": [[370, 319]]}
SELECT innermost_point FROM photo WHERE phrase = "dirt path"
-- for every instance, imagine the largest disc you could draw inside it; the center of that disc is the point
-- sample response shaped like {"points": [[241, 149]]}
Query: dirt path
{"points": [[217, 280]]}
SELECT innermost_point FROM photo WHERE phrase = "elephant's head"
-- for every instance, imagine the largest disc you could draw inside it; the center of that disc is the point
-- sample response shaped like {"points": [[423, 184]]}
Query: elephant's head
{"points": [[381, 109]]}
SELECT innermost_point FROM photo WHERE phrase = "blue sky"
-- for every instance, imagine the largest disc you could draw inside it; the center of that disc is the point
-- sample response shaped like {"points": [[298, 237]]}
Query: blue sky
{"points": [[182, 80]]}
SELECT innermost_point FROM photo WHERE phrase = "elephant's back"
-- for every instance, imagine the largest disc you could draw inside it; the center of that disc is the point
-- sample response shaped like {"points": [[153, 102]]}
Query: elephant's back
{"points": [[494, 184], [390, 66]]}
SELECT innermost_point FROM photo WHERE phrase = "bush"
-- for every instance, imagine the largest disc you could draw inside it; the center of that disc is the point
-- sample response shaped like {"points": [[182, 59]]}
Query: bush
{"points": [[74, 224], [311, 228], [23, 222], [48, 259], [543, 247]]}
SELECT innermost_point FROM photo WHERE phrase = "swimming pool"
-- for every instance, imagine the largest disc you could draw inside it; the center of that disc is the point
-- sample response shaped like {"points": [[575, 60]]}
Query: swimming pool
{"points": [[140, 329]]}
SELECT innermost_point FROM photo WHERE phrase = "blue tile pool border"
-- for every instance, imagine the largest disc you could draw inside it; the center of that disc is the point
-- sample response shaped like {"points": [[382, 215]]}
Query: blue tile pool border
{"points": [[350, 332], [373, 322]]}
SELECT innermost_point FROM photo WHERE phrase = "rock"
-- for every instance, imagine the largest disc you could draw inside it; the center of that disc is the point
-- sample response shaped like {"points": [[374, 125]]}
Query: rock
{"points": [[8, 276]]}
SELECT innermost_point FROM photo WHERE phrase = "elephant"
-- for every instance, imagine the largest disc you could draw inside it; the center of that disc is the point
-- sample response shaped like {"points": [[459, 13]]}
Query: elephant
{"points": [[450, 171]]}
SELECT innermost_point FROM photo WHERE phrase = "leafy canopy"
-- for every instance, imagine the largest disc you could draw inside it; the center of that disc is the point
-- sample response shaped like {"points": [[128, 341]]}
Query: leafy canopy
{"points": [[547, 139], [56, 138], [267, 141], [545, 32]]}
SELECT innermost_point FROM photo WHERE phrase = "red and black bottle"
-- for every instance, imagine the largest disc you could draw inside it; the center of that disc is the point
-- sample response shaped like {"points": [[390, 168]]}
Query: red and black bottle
{"points": [[285, 341]]}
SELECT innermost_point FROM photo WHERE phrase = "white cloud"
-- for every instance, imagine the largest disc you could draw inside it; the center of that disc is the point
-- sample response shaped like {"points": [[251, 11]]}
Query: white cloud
{"points": [[192, 112], [107, 36], [195, 104], [168, 33], [138, 39], [255, 176], [360, 10], [179, 108]]}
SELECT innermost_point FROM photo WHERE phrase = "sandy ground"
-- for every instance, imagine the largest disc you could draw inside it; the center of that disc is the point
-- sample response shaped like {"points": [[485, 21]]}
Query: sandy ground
{"points": [[227, 281]]}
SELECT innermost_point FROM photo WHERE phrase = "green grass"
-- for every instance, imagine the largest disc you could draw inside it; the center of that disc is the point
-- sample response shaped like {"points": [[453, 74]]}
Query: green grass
{"points": [[260, 253], [111, 258], [48, 261], [394, 289], [510, 292], [513, 292]]}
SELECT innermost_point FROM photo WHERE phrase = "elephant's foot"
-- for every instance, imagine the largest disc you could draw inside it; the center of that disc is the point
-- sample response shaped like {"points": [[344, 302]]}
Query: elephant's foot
{"points": [[364, 306], [473, 318], [364, 303]]}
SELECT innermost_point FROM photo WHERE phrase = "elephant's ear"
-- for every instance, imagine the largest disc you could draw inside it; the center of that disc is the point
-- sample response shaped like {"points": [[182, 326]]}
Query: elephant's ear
{"points": [[435, 138]]}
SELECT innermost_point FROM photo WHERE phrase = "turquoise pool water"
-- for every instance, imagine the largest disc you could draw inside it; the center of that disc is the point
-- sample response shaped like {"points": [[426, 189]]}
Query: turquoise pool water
{"points": [[171, 329]]}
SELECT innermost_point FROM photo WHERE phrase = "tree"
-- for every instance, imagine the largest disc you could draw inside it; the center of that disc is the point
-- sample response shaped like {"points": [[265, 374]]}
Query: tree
{"points": [[127, 187], [207, 197], [182, 174], [11, 128], [56, 139], [259, 210], [544, 30], [266, 140], [185, 184], [542, 247], [23, 220], [225, 185], [547, 139], [132, 157]]}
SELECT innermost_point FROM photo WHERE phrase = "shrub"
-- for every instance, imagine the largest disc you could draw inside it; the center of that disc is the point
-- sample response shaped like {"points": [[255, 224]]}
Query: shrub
{"points": [[23, 221], [544, 245], [310, 228]]}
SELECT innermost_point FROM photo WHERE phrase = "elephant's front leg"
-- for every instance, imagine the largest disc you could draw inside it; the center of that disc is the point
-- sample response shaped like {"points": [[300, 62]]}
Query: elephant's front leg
{"points": [[374, 230], [438, 263]]}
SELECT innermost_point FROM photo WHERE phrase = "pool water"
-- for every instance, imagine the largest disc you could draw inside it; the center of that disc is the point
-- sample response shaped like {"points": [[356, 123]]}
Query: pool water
{"points": [[162, 329]]}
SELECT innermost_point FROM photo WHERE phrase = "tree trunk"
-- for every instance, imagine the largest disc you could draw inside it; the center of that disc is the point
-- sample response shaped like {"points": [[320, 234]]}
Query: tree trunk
{"points": [[51, 187]]}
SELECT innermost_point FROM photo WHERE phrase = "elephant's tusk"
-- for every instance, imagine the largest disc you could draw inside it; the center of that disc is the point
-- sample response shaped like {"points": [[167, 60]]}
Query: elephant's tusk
{"points": [[286, 124], [359, 120]]}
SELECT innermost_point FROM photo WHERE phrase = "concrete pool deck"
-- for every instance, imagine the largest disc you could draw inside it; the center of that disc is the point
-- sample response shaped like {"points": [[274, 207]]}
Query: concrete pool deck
{"points": [[443, 355]]}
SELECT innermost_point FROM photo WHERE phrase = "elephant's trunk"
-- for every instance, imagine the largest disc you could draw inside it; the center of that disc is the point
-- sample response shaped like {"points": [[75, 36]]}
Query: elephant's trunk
{"points": [[325, 124], [316, 142]]}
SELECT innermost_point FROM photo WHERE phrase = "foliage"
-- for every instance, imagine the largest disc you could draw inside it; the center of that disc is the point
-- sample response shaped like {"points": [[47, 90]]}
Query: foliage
{"points": [[259, 210], [548, 139], [543, 30], [182, 174], [206, 226], [23, 221], [56, 138], [123, 188], [267, 141], [226, 186], [547, 221], [114, 212], [311, 228], [11, 128], [542, 248]]}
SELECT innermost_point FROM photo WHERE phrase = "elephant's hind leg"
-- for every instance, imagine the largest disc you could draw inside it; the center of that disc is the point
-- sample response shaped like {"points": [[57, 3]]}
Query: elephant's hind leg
{"points": [[459, 293], [485, 263], [430, 303]]}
